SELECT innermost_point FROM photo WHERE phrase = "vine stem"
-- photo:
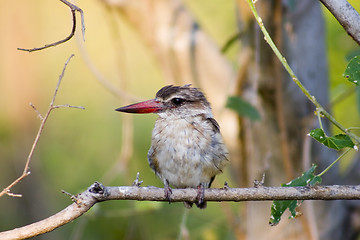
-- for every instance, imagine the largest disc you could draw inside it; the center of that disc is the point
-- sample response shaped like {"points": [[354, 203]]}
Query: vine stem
{"points": [[319, 119], [321, 109], [341, 156]]}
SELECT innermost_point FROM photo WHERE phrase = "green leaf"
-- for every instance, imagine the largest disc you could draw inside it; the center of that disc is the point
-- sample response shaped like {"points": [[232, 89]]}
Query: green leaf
{"points": [[278, 207], [337, 142], [352, 71], [242, 108], [318, 134], [305, 179]]}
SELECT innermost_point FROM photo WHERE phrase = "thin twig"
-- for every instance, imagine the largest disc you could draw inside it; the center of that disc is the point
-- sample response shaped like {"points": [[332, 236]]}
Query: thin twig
{"points": [[26, 171], [37, 111], [73, 9], [137, 182], [46, 116], [68, 106]]}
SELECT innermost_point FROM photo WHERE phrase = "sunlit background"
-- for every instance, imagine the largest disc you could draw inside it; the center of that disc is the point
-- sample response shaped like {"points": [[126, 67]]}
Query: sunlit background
{"points": [[78, 147]]}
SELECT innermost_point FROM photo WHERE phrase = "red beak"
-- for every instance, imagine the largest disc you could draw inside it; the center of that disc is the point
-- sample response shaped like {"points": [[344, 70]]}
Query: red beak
{"points": [[150, 106]]}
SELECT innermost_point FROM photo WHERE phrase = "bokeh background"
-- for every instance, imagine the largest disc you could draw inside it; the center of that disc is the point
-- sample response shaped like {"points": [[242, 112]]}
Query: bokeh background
{"points": [[78, 147]]}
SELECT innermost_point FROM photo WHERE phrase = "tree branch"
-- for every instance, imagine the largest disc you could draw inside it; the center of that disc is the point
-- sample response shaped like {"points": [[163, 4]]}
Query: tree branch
{"points": [[73, 9], [99, 193], [346, 15]]}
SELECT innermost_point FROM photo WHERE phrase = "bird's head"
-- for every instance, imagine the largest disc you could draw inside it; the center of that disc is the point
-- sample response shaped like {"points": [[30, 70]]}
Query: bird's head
{"points": [[171, 101]]}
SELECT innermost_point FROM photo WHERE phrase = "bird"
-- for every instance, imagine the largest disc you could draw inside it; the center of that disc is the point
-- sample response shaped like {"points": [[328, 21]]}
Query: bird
{"points": [[187, 149]]}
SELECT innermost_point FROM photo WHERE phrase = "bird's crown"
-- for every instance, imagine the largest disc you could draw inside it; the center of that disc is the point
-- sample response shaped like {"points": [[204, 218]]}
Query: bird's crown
{"points": [[179, 95], [182, 101]]}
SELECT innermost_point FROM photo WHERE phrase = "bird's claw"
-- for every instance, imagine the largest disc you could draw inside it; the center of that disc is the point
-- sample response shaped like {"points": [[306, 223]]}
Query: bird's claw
{"points": [[201, 197], [167, 191]]}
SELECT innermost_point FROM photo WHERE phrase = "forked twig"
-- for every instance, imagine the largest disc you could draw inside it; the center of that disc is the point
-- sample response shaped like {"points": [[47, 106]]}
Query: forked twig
{"points": [[73, 9], [26, 171]]}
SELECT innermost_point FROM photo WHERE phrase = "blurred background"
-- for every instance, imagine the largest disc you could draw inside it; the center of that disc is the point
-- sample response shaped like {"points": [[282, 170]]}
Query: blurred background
{"points": [[132, 49]]}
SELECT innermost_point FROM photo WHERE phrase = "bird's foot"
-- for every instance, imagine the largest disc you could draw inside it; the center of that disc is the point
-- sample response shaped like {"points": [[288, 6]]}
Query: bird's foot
{"points": [[167, 191], [200, 197]]}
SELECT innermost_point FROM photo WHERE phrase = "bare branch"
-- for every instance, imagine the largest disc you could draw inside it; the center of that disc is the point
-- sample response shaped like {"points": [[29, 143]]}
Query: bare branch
{"points": [[346, 15], [84, 202], [46, 116], [73, 9], [26, 171], [99, 193], [37, 111], [7, 189], [335, 192], [68, 106]]}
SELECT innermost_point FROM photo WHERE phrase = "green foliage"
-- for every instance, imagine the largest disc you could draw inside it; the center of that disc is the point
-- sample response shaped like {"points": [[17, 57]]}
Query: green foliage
{"points": [[279, 206], [337, 142], [242, 108], [352, 71]]}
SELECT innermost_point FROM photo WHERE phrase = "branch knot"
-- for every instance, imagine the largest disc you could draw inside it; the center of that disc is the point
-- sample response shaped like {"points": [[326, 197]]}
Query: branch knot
{"points": [[98, 191]]}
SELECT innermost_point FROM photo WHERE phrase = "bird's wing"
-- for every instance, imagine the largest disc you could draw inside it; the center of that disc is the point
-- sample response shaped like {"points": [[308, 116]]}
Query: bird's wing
{"points": [[214, 124]]}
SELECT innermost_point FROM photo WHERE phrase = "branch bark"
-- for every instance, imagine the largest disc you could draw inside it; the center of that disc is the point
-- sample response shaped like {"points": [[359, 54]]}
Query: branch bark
{"points": [[346, 15], [99, 193]]}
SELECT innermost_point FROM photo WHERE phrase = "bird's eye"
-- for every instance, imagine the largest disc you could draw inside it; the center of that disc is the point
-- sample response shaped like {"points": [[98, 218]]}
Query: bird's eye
{"points": [[177, 101]]}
